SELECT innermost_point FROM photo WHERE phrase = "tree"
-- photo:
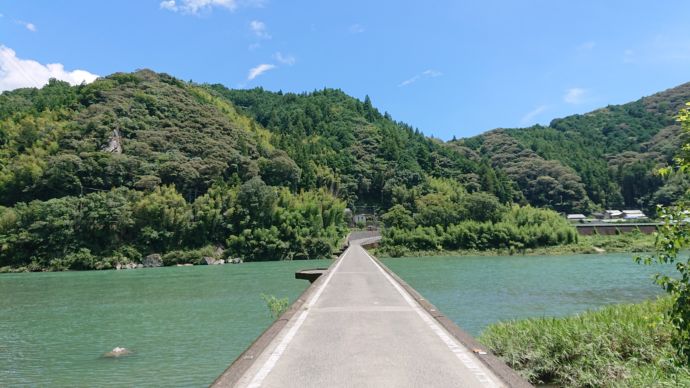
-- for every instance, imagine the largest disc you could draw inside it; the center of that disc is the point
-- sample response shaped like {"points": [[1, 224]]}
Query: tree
{"points": [[482, 207], [673, 240], [398, 217], [280, 170], [255, 204]]}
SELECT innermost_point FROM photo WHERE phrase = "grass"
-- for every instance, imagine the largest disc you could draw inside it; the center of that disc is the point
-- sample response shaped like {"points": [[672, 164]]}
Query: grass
{"points": [[629, 242], [276, 306], [621, 345]]}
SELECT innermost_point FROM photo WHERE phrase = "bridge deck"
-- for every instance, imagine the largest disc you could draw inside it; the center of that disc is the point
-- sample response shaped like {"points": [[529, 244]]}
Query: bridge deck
{"points": [[360, 328]]}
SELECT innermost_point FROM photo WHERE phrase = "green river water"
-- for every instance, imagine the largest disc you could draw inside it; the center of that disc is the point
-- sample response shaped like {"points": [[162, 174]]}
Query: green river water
{"points": [[187, 324]]}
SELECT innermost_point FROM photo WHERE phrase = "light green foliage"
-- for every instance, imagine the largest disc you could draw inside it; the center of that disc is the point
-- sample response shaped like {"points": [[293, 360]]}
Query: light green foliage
{"points": [[673, 240], [455, 220], [617, 346], [276, 306]]}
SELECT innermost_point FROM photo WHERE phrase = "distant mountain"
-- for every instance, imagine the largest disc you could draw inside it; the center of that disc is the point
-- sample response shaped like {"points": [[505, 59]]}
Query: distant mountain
{"points": [[144, 129], [603, 159]]}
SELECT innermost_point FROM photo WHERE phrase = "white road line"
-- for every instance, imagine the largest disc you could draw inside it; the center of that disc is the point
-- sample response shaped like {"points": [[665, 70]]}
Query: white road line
{"points": [[280, 349], [463, 355]]}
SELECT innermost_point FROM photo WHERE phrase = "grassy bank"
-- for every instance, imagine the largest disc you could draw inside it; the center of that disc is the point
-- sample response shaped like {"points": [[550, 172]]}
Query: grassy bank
{"points": [[630, 242], [621, 345]]}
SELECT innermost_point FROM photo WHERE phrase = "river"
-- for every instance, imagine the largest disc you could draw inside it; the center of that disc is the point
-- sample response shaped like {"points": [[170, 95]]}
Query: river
{"points": [[186, 324]]}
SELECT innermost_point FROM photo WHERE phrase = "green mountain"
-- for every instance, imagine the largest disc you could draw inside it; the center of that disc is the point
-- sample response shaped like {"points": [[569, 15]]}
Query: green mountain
{"points": [[603, 159], [144, 129], [133, 164], [96, 175]]}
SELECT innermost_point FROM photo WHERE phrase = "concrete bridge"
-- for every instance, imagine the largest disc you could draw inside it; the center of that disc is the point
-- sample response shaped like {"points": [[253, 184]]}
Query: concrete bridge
{"points": [[359, 325]]}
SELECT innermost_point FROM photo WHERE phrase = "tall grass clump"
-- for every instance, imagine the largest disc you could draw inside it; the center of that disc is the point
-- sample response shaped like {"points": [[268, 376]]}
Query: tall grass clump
{"points": [[621, 345]]}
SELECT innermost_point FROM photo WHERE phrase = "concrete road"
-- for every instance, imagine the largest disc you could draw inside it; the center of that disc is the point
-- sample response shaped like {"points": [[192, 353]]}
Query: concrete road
{"points": [[360, 328]]}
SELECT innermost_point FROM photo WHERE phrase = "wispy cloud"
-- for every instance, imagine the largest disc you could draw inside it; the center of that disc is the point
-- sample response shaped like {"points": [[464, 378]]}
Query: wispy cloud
{"points": [[29, 26], [430, 73], [575, 96], [259, 29], [195, 7], [356, 29], [21, 73], [257, 71], [531, 115], [285, 59]]}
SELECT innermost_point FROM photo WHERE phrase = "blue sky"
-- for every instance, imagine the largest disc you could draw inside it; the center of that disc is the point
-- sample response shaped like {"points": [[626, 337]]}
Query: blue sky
{"points": [[450, 68]]}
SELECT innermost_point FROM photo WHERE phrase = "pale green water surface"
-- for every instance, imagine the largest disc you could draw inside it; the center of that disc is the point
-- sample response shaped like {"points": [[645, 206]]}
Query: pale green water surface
{"points": [[185, 324], [477, 291]]}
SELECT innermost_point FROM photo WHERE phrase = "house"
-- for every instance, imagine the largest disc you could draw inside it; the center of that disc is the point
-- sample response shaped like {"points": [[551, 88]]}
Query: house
{"points": [[613, 214], [359, 218], [634, 215], [575, 217]]}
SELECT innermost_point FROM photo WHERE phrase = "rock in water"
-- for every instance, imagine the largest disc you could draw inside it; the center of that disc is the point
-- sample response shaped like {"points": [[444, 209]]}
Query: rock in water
{"points": [[213, 261], [117, 352], [154, 260]]}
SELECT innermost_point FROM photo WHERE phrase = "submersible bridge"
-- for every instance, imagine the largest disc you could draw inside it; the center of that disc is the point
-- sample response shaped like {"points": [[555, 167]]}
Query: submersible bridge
{"points": [[360, 325]]}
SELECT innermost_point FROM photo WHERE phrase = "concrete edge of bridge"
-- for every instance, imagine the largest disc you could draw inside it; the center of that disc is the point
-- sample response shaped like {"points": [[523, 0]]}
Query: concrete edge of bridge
{"points": [[507, 375], [231, 376]]}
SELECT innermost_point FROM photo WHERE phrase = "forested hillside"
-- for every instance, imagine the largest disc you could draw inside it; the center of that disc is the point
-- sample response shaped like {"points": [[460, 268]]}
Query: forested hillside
{"points": [[134, 164], [96, 175], [362, 155], [603, 159]]}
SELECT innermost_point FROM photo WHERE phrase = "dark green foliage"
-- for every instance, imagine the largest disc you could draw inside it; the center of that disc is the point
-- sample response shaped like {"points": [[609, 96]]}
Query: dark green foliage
{"points": [[132, 164], [102, 229], [611, 153], [346, 145], [672, 242]]}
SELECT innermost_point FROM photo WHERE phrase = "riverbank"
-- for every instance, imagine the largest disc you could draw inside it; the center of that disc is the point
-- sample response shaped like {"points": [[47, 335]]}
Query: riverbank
{"points": [[619, 345], [630, 242]]}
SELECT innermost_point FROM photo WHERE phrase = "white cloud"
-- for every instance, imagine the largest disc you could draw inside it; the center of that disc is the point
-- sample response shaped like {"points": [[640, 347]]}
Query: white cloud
{"points": [[259, 29], [356, 29], [257, 71], [29, 26], [574, 96], [429, 73], [195, 7], [409, 81], [529, 117], [284, 59], [21, 73], [170, 5]]}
